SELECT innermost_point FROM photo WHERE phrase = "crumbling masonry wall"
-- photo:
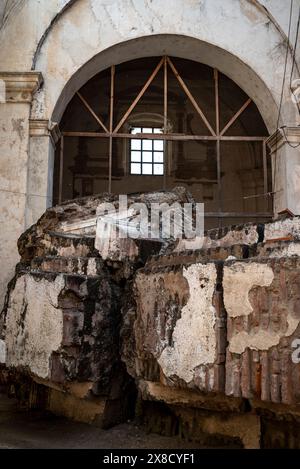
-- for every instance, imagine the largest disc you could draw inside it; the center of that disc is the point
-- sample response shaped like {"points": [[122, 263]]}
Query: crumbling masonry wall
{"points": [[212, 324], [203, 330]]}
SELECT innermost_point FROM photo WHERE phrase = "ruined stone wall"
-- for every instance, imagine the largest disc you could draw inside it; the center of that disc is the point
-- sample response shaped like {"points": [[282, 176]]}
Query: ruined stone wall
{"points": [[188, 308], [207, 335], [60, 326], [220, 321]]}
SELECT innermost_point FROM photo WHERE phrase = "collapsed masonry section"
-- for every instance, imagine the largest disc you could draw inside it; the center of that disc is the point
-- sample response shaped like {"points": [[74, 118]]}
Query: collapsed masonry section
{"points": [[219, 326], [205, 328]]}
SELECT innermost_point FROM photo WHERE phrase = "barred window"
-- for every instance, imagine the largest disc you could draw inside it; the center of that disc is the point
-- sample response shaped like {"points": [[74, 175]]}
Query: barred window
{"points": [[146, 154]]}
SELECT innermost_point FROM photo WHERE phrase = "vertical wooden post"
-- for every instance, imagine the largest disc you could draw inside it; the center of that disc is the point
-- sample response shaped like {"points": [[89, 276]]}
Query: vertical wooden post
{"points": [[216, 77], [218, 143], [220, 205], [61, 169], [166, 165], [111, 119], [265, 166]]}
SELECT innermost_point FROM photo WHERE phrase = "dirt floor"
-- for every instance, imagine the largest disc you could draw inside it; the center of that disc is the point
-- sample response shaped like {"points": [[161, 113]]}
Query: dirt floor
{"points": [[20, 429]]}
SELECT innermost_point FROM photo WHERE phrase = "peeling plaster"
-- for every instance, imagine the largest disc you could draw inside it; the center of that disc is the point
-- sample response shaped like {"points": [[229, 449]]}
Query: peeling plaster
{"points": [[261, 340], [238, 280], [194, 337], [2, 351], [34, 324]]}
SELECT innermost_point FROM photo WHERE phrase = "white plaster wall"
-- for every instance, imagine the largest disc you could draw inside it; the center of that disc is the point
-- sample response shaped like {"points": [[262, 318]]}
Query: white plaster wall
{"points": [[14, 128], [34, 324], [40, 178], [237, 282], [89, 27], [280, 11], [97, 25], [34, 17], [27, 19], [194, 336]]}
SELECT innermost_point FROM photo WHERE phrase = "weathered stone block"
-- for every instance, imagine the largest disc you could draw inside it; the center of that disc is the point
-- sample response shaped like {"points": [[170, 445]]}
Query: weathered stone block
{"points": [[33, 322], [261, 299], [179, 326]]}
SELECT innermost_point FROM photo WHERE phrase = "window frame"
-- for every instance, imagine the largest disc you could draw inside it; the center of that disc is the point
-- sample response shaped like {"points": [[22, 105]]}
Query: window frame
{"points": [[151, 161]]}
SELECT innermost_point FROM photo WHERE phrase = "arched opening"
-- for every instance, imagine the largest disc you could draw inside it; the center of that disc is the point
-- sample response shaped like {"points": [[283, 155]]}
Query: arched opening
{"points": [[158, 122]]}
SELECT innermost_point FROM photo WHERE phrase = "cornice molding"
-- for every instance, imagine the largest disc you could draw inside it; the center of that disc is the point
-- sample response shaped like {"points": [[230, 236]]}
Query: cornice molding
{"points": [[20, 86], [283, 136], [44, 128]]}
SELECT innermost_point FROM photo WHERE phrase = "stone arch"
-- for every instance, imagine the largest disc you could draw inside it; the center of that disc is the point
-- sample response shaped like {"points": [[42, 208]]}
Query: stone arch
{"points": [[90, 36], [173, 45]]}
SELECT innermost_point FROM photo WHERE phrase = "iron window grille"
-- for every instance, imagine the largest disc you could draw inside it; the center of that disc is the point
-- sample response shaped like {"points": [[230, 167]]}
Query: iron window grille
{"points": [[146, 155]]}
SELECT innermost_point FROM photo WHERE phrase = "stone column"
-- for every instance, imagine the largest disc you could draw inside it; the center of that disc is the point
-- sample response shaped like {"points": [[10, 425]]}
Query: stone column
{"points": [[43, 137], [16, 97], [285, 153]]}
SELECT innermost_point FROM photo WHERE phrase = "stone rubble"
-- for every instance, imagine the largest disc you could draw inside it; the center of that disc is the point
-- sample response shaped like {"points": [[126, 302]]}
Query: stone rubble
{"points": [[203, 334]]}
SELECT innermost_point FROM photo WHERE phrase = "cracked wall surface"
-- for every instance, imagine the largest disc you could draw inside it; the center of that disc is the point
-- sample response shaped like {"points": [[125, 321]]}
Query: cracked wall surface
{"points": [[33, 307], [204, 330], [244, 318], [176, 330]]}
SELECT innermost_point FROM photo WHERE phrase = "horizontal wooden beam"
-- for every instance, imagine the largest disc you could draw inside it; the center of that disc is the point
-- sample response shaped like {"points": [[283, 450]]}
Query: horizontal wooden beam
{"points": [[164, 136]]}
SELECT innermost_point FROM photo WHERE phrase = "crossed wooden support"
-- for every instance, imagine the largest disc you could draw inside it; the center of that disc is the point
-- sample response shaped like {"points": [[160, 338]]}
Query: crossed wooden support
{"points": [[216, 134]]}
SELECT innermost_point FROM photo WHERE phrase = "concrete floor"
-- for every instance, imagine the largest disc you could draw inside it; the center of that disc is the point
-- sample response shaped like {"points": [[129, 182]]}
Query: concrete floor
{"points": [[20, 429]]}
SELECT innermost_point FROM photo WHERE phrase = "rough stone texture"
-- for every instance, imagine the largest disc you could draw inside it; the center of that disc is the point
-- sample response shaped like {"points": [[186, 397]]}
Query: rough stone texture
{"points": [[63, 327], [178, 324], [70, 229], [238, 281], [2, 352], [256, 288], [206, 334], [248, 235], [33, 306], [224, 237], [288, 228], [61, 319], [262, 324], [199, 417]]}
